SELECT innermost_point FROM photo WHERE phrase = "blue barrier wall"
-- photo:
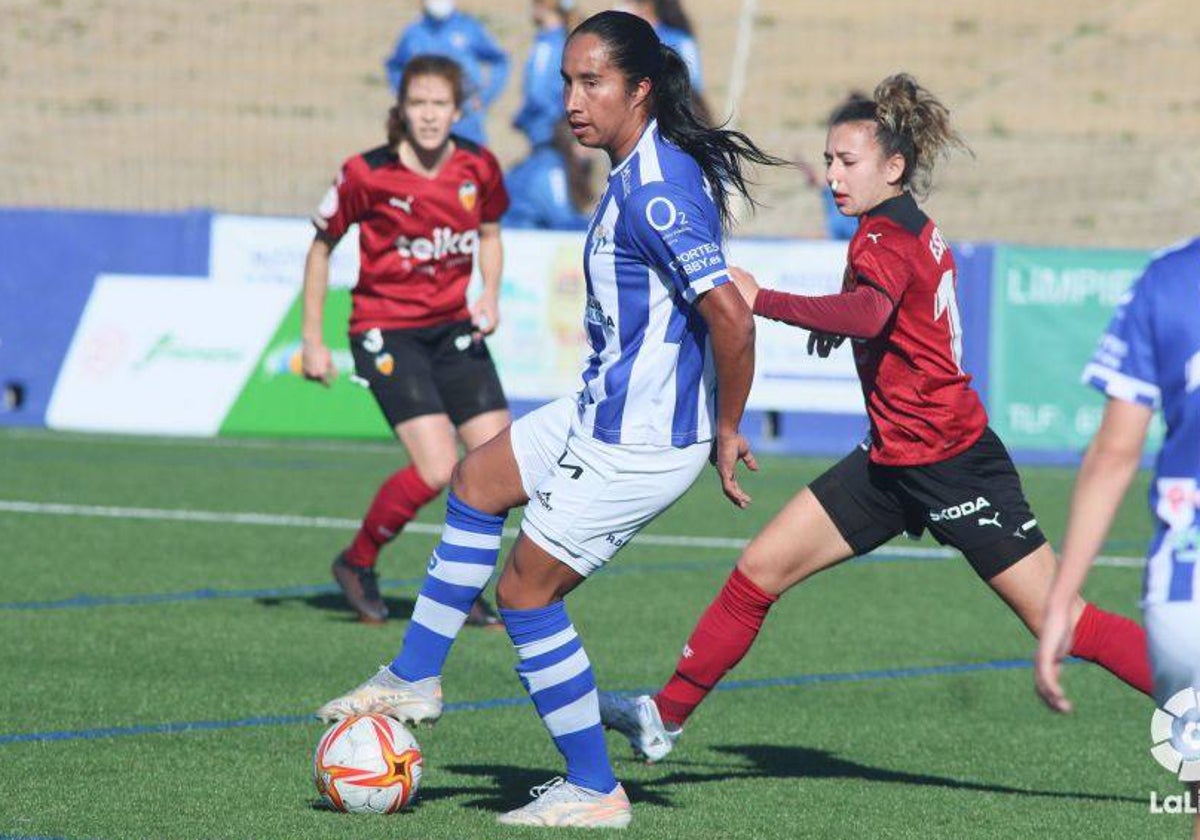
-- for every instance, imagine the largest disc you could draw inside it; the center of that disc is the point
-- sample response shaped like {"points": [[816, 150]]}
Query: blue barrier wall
{"points": [[49, 260]]}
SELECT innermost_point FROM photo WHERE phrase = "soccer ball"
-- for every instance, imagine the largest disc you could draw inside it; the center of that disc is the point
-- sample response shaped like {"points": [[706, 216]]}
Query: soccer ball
{"points": [[367, 764]]}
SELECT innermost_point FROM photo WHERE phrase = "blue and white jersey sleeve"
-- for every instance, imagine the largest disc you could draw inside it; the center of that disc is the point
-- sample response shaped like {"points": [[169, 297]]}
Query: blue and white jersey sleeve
{"points": [[679, 234], [1124, 365]]}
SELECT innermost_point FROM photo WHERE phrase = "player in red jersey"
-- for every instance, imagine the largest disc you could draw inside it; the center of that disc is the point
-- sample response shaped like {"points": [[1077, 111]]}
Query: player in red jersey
{"points": [[425, 205], [931, 461]]}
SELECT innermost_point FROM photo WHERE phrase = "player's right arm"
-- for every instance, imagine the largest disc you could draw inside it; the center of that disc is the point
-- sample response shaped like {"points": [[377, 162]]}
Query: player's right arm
{"points": [[315, 358], [1124, 368]]}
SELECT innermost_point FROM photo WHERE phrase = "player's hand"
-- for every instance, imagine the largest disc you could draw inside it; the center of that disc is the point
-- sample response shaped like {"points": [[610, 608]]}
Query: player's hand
{"points": [[316, 363], [746, 284], [823, 343], [485, 314], [1053, 646], [728, 449]]}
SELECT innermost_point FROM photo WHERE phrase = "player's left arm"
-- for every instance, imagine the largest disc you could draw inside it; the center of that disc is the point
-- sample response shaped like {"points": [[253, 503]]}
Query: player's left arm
{"points": [[731, 334], [679, 234], [485, 311]]}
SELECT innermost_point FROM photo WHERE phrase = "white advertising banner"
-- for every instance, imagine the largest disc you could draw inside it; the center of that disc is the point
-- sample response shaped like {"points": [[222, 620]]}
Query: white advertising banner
{"points": [[786, 378], [257, 249], [163, 355], [540, 347]]}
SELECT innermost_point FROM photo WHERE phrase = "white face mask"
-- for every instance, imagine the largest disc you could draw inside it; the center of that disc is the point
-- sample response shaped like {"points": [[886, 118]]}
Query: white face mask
{"points": [[440, 9]]}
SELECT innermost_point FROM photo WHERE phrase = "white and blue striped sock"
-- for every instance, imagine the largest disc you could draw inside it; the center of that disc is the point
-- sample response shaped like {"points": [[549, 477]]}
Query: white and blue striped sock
{"points": [[459, 569], [555, 671]]}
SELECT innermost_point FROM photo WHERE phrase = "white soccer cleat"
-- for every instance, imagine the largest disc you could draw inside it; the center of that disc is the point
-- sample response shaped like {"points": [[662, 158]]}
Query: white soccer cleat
{"points": [[386, 694], [637, 718], [561, 804]]}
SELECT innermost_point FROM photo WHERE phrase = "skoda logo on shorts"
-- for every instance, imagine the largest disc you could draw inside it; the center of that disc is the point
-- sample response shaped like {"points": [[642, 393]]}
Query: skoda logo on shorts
{"points": [[1175, 731]]}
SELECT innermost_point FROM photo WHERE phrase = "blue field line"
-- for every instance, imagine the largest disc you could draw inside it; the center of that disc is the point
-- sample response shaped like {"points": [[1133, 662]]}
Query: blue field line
{"points": [[509, 702]]}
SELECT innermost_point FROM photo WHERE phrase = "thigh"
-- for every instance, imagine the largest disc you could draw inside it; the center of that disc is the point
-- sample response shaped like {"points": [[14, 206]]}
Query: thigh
{"points": [[397, 366], [974, 502], [858, 497], [539, 439], [798, 542], [600, 496], [1024, 584], [1173, 639], [465, 374]]}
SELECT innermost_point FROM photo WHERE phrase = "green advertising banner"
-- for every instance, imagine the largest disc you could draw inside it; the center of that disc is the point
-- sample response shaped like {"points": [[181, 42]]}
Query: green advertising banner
{"points": [[1049, 308], [277, 400]]}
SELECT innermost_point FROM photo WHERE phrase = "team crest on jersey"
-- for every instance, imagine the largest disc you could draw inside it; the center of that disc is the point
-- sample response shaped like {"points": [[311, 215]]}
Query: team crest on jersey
{"points": [[385, 363], [467, 194]]}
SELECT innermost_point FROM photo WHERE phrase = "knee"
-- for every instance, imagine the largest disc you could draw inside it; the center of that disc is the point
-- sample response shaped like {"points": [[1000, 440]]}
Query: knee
{"points": [[759, 569], [458, 479], [436, 476]]}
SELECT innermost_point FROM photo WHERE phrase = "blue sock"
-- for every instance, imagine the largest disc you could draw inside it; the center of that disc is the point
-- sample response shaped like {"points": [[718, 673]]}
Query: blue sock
{"points": [[460, 567], [555, 671]]}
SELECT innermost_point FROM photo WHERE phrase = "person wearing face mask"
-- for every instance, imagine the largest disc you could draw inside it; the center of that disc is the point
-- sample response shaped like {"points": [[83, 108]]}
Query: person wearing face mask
{"points": [[444, 30]]}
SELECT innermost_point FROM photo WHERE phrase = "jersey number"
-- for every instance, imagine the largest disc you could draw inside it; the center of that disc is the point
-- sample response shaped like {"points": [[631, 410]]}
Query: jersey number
{"points": [[946, 303]]}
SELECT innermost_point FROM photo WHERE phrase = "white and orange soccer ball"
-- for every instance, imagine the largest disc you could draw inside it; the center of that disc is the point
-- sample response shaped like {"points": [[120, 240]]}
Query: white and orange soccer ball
{"points": [[367, 764]]}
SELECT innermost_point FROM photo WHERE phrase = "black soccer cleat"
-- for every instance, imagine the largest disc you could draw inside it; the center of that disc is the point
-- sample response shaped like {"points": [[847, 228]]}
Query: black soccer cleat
{"points": [[360, 585]]}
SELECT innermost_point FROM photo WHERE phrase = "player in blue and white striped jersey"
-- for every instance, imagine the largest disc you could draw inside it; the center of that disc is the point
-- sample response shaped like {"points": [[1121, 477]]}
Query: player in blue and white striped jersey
{"points": [[1149, 360], [666, 384]]}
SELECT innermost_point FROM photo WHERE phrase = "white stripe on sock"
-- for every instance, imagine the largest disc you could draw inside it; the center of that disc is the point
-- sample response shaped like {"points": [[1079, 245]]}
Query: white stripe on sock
{"points": [[532, 649], [469, 539], [441, 619], [560, 672], [462, 574], [573, 717]]}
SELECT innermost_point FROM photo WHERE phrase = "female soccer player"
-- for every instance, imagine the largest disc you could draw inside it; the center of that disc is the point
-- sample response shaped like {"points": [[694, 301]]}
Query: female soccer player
{"points": [[425, 204], [1149, 358], [930, 461], [671, 364]]}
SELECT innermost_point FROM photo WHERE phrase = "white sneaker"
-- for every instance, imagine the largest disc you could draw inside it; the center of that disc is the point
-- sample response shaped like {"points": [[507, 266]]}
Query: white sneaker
{"points": [[560, 803], [386, 694], [637, 718]]}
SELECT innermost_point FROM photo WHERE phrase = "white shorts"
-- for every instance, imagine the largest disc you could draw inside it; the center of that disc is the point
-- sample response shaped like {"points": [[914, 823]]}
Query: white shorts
{"points": [[588, 498], [1173, 638]]}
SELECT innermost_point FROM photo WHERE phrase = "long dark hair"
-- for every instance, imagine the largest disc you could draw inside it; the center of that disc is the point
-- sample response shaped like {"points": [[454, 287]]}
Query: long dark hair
{"points": [[425, 64], [721, 153]]}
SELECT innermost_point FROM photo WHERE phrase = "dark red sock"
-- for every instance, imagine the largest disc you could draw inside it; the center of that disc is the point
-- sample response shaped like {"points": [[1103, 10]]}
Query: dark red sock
{"points": [[398, 500], [1116, 643], [721, 638]]}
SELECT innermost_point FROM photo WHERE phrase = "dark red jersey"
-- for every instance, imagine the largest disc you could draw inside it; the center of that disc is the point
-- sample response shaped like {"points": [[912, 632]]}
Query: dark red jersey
{"points": [[921, 405], [417, 236]]}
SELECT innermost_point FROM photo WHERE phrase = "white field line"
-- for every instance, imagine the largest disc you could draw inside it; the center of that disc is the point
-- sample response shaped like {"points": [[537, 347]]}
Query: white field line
{"points": [[214, 517]]}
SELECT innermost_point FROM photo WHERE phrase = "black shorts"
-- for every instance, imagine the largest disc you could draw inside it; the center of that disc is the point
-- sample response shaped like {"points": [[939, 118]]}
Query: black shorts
{"points": [[972, 502], [428, 370]]}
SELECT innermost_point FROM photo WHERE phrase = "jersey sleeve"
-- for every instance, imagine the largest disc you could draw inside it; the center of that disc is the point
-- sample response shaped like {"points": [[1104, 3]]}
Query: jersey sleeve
{"points": [[679, 234], [344, 204], [1123, 366], [876, 260], [495, 194]]}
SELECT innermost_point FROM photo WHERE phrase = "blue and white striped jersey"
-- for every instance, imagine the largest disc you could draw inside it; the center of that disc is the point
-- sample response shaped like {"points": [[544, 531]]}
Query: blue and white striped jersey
{"points": [[1151, 355], [653, 247]]}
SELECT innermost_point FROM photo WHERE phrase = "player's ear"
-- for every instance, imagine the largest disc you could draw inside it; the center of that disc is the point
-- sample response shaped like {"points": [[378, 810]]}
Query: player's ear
{"points": [[641, 93], [893, 169]]}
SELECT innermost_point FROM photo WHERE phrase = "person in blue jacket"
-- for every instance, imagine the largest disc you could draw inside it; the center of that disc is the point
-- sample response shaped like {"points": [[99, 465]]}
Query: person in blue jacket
{"points": [[551, 189], [443, 30], [541, 105]]}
